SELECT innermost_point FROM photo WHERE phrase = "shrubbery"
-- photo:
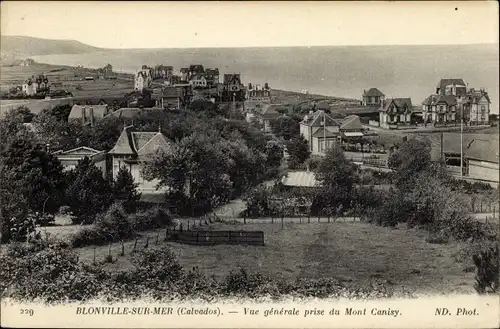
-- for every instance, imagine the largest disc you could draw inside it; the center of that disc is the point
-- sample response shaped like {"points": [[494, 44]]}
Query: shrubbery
{"points": [[116, 225], [53, 274]]}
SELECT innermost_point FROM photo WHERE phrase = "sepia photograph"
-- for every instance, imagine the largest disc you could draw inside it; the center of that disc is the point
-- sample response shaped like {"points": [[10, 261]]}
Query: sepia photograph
{"points": [[167, 158]]}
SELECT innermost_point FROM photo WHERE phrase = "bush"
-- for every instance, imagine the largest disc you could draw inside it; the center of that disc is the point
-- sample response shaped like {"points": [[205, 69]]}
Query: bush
{"points": [[110, 227], [52, 274], [153, 218], [487, 269], [115, 223]]}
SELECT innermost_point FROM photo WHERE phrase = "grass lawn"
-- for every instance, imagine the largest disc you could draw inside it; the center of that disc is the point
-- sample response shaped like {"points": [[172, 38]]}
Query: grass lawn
{"points": [[356, 252]]}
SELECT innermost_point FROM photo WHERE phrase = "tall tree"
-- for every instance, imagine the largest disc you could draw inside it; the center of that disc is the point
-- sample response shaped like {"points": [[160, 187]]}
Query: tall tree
{"points": [[285, 127], [298, 151], [195, 168], [411, 159], [337, 176], [37, 173], [125, 190], [89, 193]]}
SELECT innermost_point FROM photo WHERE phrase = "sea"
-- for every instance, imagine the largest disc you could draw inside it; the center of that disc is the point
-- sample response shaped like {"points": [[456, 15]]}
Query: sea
{"points": [[342, 71]]}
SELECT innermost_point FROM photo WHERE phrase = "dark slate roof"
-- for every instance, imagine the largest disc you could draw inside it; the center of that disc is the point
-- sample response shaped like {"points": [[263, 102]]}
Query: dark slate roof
{"points": [[484, 147], [475, 96], [322, 132], [228, 78], [270, 111], [399, 102], [212, 71], [449, 100], [316, 119], [446, 82], [99, 111], [131, 112], [196, 68], [139, 143], [351, 122], [171, 92], [373, 92]]}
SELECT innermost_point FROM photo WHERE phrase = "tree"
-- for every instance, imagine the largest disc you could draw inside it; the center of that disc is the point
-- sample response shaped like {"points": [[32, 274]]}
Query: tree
{"points": [[60, 112], [337, 176], [274, 156], [13, 211], [285, 127], [37, 173], [412, 158], [89, 193], [125, 190], [196, 169], [298, 151]]}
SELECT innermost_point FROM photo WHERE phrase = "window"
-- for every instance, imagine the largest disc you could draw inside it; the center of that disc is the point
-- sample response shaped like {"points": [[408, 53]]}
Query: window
{"points": [[441, 108]]}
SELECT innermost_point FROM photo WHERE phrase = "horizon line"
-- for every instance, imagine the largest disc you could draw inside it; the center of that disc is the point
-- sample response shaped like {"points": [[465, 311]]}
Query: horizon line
{"points": [[263, 46]]}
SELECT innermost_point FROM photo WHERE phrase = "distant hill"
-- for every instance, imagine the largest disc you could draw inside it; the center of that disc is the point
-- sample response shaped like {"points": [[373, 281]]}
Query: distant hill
{"points": [[21, 46]]}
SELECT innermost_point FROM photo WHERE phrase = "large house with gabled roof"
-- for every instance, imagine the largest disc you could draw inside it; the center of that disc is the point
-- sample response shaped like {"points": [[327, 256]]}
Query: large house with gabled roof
{"points": [[373, 97], [320, 130], [440, 109], [395, 113], [133, 149]]}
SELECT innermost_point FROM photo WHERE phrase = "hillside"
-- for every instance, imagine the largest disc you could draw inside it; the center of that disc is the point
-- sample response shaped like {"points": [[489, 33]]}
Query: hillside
{"points": [[21, 46]]}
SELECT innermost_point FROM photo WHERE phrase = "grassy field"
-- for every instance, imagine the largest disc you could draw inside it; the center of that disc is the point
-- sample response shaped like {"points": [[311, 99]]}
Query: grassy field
{"points": [[70, 77], [353, 252]]}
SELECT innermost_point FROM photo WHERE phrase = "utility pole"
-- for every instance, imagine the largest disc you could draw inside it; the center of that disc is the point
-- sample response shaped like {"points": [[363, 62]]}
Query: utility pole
{"points": [[442, 150], [462, 143], [324, 132]]}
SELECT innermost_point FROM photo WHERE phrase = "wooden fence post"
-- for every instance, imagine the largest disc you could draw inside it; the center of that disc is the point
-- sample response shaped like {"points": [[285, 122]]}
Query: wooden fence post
{"points": [[157, 237], [197, 238], [123, 249], [282, 218], [135, 245], [94, 256], [166, 234], [188, 225], [147, 243], [244, 219], [109, 251]]}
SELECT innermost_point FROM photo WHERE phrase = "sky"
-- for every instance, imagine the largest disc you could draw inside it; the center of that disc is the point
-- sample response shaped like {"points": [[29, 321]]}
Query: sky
{"points": [[117, 24]]}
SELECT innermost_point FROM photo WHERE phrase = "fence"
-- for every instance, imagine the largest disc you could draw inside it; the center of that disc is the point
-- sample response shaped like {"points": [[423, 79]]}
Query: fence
{"points": [[201, 237]]}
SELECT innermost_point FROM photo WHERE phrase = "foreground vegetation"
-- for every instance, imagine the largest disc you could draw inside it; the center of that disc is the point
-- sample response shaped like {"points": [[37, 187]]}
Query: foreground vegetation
{"points": [[54, 274]]}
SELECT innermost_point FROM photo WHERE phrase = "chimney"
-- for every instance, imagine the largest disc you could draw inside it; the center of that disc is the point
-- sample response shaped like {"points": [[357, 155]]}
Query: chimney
{"points": [[249, 85], [266, 85], [83, 115], [91, 116]]}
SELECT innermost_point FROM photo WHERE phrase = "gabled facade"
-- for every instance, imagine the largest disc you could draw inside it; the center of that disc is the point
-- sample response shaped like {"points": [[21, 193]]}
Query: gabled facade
{"points": [[198, 81], [133, 149], [440, 109], [451, 87], [395, 112], [212, 76], [258, 93], [477, 107], [373, 97], [143, 79], [88, 114], [171, 98], [320, 130], [70, 158], [232, 88]]}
